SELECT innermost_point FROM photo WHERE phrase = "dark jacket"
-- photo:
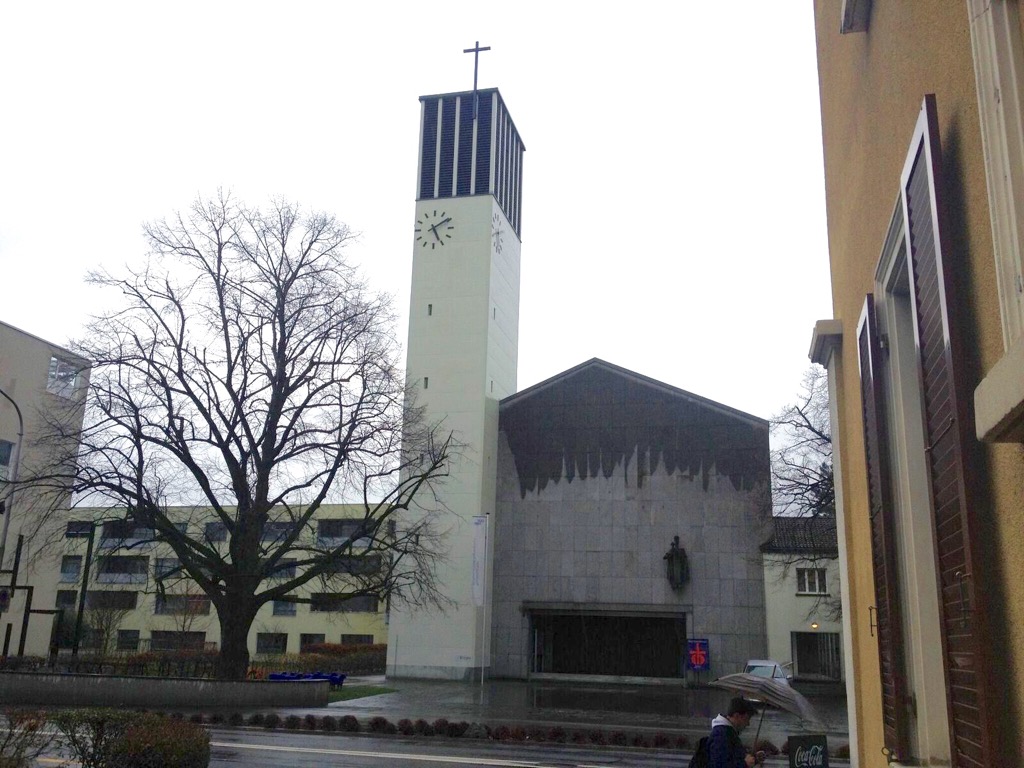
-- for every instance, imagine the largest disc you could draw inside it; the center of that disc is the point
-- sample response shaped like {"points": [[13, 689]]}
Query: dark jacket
{"points": [[725, 750]]}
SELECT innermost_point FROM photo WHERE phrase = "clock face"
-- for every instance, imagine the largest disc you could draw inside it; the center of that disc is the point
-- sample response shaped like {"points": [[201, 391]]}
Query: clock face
{"points": [[434, 228], [497, 232]]}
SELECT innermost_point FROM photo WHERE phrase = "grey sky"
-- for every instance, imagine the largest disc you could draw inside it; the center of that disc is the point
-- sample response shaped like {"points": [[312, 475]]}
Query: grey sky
{"points": [[673, 206]]}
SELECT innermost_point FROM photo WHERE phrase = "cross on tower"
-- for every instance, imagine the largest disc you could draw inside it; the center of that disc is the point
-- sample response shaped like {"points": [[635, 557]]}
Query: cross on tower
{"points": [[476, 51]]}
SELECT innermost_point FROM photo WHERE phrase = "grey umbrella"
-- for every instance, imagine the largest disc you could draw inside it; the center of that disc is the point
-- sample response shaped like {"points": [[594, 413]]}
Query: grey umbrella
{"points": [[769, 691]]}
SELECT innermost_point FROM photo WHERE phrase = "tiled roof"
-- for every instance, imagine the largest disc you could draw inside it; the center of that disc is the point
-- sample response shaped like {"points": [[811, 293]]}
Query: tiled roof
{"points": [[815, 535]]}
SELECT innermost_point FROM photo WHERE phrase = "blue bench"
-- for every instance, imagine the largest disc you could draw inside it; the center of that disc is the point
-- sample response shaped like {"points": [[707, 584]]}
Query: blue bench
{"points": [[336, 679]]}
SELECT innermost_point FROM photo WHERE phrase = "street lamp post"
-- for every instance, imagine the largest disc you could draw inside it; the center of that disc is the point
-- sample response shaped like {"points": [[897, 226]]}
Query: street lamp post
{"points": [[16, 461]]}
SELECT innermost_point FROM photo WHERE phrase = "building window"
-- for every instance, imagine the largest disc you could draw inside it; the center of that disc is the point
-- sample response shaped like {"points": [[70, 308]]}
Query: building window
{"points": [[110, 599], [811, 581], [128, 640], [6, 452], [354, 565], [182, 605], [284, 608], [70, 568], [114, 569], [215, 532], [333, 533], [175, 641], [165, 566], [357, 639], [285, 569], [327, 602], [124, 533], [67, 600], [426, 382], [78, 529], [430, 309], [63, 377], [278, 531], [271, 642], [307, 640]]}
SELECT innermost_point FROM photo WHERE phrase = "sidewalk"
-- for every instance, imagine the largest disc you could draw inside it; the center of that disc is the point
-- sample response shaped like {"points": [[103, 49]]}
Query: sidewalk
{"points": [[573, 705]]}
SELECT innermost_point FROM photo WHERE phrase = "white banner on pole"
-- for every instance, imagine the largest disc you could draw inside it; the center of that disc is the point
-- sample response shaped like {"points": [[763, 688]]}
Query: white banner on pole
{"points": [[479, 558]]}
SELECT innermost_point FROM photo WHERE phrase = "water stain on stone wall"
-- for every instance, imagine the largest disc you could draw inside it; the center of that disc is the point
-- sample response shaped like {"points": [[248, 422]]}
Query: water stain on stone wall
{"points": [[597, 418]]}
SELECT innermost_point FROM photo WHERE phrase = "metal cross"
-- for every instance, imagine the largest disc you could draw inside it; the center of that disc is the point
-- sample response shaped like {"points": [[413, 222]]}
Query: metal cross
{"points": [[476, 51]]}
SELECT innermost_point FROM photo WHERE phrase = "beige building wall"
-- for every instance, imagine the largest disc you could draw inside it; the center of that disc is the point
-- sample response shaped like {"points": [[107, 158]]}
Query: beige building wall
{"points": [[872, 84], [42, 378], [298, 622]]}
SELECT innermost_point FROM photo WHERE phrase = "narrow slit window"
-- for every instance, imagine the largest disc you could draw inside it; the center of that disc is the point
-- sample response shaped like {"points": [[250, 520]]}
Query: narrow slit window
{"points": [[430, 309], [426, 382]]}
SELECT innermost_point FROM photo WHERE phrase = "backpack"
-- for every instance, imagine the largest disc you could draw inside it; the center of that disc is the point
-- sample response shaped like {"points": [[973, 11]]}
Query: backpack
{"points": [[701, 757]]}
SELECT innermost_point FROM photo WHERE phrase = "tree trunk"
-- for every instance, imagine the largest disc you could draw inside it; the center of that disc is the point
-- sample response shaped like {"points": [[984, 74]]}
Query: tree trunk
{"points": [[235, 622]]}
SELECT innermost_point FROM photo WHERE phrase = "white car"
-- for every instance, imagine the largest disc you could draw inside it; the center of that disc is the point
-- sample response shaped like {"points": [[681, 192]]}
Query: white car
{"points": [[768, 668]]}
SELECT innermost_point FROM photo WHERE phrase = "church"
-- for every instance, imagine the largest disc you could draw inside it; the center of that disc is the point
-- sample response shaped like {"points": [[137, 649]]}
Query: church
{"points": [[599, 523]]}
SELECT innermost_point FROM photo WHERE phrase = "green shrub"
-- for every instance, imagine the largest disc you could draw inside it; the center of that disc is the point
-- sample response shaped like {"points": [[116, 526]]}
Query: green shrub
{"points": [[329, 723], [24, 739], [349, 724], [293, 722], [256, 718], [441, 726], [89, 734], [502, 733], [639, 740], [236, 718], [272, 720], [458, 729], [215, 718], [161, 743], [557, 735], [423, 728], [310, 722], [618, 738], [378, 724], [405, 727]]}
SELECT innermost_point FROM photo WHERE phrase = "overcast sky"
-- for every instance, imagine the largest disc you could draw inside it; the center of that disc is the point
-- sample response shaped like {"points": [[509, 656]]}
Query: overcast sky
{"points": [[673, 202]]}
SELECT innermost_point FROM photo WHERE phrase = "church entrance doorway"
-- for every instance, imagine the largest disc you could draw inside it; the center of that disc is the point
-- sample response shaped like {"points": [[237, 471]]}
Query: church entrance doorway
{"points": [[604, 644]]}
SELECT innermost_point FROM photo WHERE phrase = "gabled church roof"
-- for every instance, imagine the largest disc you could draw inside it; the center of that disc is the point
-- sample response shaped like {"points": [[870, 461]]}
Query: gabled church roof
{"points": [[597, 416], [596, 362]]}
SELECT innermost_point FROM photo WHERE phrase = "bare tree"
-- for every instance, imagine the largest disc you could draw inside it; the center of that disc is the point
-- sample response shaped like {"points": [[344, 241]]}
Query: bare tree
{"points": [[802, 459], [803, 492], [101, 624], [250, 376]]}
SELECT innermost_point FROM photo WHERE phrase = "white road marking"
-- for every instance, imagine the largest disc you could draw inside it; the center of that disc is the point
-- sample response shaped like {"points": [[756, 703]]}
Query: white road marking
{"points": [[392, 755]]}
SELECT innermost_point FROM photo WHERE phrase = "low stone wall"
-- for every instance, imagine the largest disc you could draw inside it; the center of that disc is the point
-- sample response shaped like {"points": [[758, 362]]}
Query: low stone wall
{"points": [[24, 688]]}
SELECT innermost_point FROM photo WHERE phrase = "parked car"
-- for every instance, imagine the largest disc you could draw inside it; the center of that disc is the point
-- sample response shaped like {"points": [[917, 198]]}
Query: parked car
{"points": [[768, 668]]}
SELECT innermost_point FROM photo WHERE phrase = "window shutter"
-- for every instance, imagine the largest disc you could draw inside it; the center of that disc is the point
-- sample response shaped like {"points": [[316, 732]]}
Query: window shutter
{"points": [[889, 625], [945, 421]]}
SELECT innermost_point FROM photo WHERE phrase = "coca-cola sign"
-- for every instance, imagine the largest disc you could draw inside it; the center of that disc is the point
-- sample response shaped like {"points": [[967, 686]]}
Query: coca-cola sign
{"points": [[808, 751]]}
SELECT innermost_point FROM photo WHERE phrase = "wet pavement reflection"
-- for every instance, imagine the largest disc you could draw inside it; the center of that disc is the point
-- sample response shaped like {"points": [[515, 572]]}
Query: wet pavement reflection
{"points": [[669, 709]]}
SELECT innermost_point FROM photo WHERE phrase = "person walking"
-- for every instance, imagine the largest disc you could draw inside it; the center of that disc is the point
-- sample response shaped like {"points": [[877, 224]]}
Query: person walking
{"points": [[725, 750]]}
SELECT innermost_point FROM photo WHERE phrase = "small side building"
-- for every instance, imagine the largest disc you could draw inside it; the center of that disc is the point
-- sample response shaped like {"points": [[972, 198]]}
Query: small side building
{"points": [[801, 593]]}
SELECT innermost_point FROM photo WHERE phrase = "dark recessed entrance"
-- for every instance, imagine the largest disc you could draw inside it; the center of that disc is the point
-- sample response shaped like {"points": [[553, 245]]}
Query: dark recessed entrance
{"points": [[594, 644]]}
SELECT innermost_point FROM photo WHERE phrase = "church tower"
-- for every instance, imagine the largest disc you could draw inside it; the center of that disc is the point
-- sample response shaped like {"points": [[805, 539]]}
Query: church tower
{"points": [[461, 356]]}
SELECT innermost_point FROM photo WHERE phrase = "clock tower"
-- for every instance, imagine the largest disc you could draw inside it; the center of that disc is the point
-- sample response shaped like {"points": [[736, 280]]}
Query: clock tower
{"points": [[461, 358]]}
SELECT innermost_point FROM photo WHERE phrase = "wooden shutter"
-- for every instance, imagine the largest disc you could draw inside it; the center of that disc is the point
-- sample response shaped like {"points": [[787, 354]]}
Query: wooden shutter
{"points": [[946, 426], [889, 627]]}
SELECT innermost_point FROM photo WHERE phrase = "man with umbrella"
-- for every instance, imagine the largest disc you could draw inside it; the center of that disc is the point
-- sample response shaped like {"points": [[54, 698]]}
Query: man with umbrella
{"points": [[725, 750]]}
